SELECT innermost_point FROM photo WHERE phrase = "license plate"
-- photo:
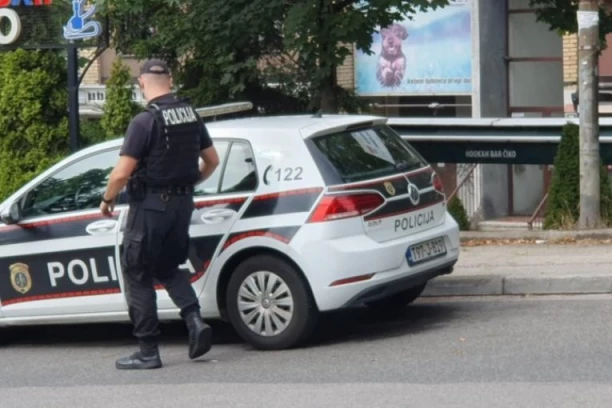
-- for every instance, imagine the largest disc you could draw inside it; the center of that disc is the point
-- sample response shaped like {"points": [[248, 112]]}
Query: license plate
{"points": [[425, 251]]}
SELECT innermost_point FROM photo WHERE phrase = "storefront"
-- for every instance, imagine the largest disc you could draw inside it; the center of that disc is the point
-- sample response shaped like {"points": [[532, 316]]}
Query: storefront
{"points": [[473, 58]]}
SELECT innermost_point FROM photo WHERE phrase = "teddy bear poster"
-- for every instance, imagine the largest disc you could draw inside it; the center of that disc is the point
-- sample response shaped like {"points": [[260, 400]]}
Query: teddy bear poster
{"points": [[430, 54]]}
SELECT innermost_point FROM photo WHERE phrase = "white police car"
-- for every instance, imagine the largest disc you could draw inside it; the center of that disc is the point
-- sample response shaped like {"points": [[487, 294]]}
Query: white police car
{"points": [[305, 214]]}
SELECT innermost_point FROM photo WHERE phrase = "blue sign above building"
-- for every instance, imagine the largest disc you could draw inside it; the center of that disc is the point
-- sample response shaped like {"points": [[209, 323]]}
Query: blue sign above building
{"points": [[80, 26]]}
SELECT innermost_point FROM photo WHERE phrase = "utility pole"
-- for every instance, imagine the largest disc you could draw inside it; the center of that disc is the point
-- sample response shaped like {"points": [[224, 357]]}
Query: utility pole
{"points": [[73, 97], [588, 57]]}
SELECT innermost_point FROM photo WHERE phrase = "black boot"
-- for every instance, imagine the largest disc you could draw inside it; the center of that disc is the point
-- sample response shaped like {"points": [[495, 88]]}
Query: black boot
{"points": [[200, 335], [145, 359]]}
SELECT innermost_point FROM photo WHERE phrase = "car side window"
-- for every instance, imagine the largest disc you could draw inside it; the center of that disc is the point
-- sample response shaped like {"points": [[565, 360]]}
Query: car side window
{"points": [[79, 186], [240, 173], [211, 185]]}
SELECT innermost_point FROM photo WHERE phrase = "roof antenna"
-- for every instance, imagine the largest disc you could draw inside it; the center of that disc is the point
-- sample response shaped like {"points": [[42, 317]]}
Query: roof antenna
{"points": [[319, 114]]}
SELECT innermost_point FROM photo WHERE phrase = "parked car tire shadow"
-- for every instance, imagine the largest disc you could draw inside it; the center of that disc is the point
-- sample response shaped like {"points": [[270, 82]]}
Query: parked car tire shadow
{"points": [[104, 334], [358, 324], [362, 324]]}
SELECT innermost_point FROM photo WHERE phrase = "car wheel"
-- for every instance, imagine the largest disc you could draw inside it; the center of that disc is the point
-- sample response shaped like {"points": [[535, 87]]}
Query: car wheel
{"points": [[269, 303], [397, 301]]}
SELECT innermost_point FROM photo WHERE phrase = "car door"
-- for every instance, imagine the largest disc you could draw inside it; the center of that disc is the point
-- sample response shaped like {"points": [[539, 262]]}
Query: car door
{"points": [[61, 257], [219, 201]]}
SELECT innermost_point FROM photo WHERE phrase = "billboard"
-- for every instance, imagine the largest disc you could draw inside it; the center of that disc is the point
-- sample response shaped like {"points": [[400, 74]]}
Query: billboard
{"points": [[35, 24], [426, 55]]}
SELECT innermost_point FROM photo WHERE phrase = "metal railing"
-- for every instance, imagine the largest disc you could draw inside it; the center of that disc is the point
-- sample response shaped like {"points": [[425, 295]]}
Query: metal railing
{"points": [[469, 191], [537, 218]]}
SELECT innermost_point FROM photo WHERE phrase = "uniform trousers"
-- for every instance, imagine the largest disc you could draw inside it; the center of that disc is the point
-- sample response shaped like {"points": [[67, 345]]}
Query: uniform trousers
{"points": [[155, 244]]}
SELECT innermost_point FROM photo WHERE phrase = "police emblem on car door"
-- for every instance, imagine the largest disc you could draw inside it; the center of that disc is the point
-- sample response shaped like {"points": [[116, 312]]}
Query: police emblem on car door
{"points": [[60, 257], [20, 278]]}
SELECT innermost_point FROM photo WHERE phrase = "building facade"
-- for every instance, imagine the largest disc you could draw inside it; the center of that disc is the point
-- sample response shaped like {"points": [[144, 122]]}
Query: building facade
{"points": [[570, 75], [474, 58]]}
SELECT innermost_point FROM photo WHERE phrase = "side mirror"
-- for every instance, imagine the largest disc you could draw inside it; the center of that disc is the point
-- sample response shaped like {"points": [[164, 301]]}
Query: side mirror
{"points": [[11, 214]]}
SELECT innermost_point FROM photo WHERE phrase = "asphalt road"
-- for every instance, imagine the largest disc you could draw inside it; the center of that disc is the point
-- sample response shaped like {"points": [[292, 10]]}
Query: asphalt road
{"points": [[522, 352]]}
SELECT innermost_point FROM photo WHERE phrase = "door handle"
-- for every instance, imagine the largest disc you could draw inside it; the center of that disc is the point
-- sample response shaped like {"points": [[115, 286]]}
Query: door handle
{"points": [[217, 215], [101, 227]]}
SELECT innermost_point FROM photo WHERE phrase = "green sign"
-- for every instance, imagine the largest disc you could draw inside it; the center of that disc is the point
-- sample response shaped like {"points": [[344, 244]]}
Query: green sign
{"points": [[478, 144], [469, 152]]}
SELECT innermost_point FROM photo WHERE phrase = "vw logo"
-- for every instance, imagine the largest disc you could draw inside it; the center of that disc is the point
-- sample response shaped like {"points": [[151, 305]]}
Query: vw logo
{"points": [[413, 194]]}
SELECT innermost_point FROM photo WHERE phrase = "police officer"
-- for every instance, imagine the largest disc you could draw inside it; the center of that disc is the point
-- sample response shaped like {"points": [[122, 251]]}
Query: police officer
{"points": [[159, 164]]}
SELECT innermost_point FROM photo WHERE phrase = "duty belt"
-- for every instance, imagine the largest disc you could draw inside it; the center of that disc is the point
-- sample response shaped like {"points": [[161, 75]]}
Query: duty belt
{"points": [[170, 190]]}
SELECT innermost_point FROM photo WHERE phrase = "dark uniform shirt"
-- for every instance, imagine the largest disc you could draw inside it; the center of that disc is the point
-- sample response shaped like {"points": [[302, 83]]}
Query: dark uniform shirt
{"points": [[142, 129]]}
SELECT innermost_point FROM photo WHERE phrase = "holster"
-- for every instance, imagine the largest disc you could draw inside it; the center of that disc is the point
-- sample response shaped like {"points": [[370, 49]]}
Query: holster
{"points": [[136, 189]]}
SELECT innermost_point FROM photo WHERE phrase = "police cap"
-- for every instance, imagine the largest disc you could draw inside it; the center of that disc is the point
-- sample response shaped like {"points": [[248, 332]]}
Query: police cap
{"points": [[155, 66]]}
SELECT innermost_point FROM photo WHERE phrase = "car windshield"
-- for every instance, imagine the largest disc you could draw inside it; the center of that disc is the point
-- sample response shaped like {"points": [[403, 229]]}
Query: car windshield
{"points": [[367, 153]]}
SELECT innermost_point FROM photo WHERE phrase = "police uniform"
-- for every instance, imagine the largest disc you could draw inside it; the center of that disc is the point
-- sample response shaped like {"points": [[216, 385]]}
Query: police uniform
{"points": [[166, 140]]}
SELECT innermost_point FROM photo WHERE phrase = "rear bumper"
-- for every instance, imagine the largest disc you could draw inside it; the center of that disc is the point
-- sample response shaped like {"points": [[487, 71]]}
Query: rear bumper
{"points": [[328, 263], [392, 287]]}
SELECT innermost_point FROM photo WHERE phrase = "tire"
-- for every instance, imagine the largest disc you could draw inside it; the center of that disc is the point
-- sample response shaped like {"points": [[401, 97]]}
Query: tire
{"points": [[397, 301], [291, 329]]}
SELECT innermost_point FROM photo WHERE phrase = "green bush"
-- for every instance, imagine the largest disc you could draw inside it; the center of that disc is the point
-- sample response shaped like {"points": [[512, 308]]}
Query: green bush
{"points": [[457, 210], [92, 132], [119, 108], [563, 206], [33, 115]]}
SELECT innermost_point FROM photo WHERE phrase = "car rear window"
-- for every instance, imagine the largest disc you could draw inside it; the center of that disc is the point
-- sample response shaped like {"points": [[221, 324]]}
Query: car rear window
{"points": [[367, 153]]}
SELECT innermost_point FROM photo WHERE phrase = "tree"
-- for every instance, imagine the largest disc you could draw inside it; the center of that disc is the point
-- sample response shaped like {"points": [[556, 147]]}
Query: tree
{"points": [[91, 132], [560, 15], [214, 46], [323, 32], [33, 115], [119, 107], [563, 209], [218, 47]]}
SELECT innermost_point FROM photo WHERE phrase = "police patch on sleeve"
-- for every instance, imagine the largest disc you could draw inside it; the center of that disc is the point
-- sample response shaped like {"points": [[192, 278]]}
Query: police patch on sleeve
{"points": [[20, 277]]}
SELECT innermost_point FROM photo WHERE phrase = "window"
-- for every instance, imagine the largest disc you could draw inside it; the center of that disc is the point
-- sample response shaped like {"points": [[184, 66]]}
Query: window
{"points": [[77, 187], [238, 168], [366, 153], [211, 185], [240, 173]]}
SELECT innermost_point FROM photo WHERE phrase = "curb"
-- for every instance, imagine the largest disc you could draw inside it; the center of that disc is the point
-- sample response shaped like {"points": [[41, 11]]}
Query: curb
{"points": [[483, 285], [539, 235]]}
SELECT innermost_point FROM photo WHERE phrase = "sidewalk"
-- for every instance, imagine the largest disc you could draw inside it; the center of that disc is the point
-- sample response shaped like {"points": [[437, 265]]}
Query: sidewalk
{"points": [[532, 268]]}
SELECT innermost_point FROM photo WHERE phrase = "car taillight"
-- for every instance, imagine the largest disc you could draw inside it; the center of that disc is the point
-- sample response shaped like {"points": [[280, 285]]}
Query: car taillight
{"points": [[436, 181], [336, 207]]}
